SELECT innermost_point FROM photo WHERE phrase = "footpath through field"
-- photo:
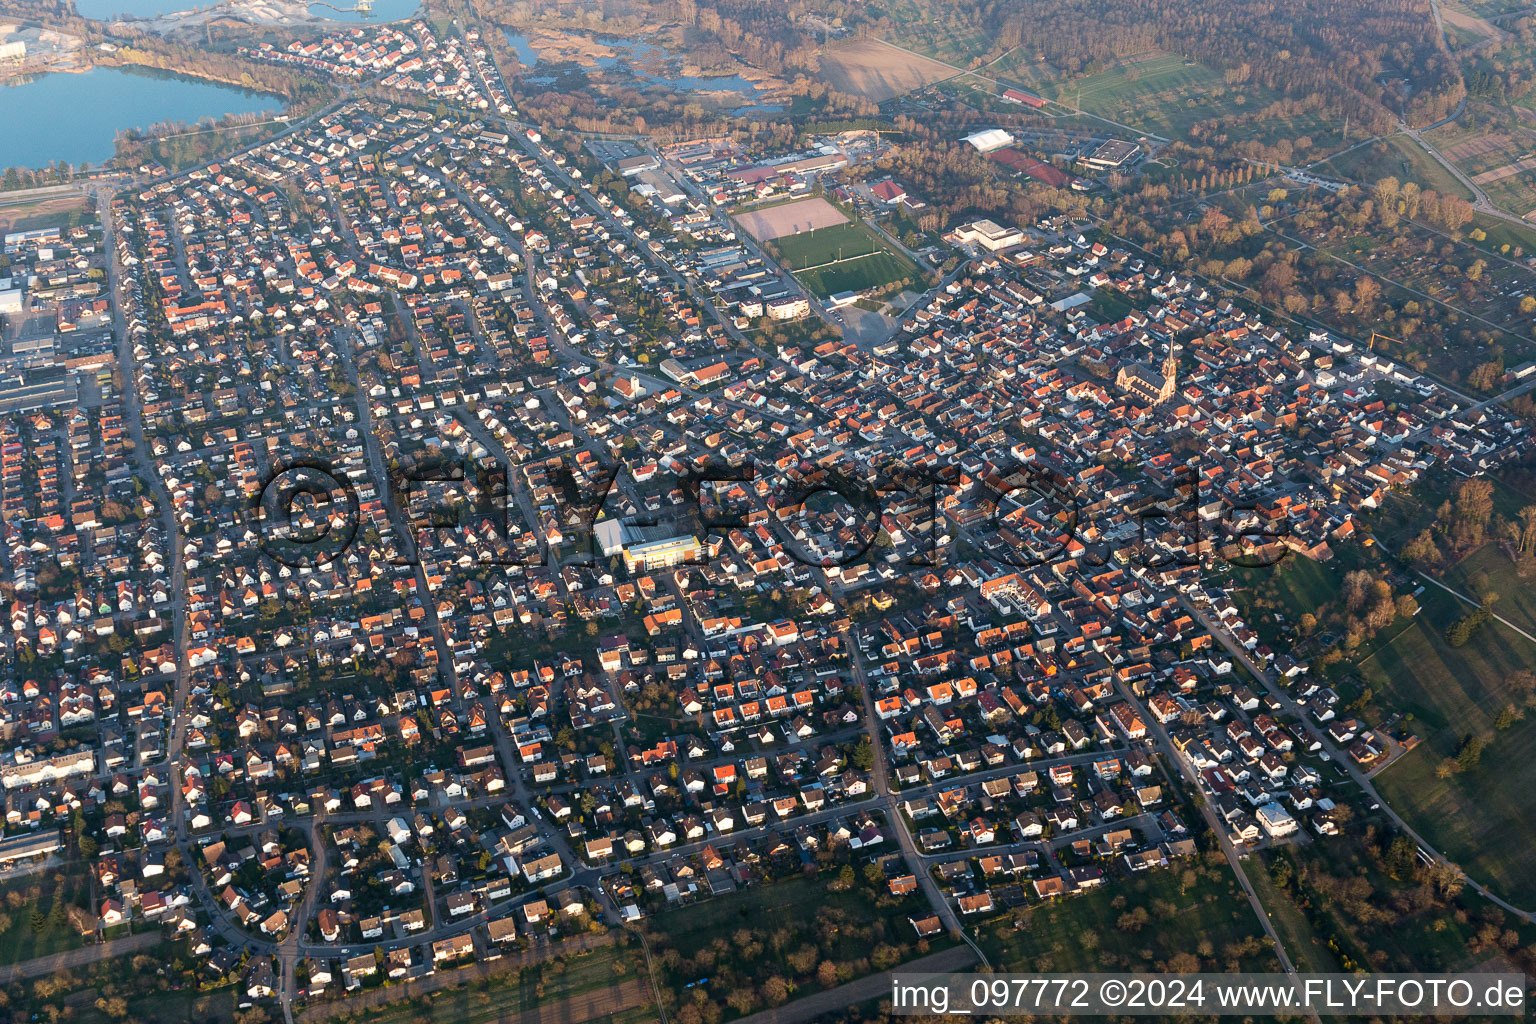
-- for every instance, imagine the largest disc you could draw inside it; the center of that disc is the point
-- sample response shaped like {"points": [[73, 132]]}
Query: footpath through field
{"points": [[957, 958], [572, 1010], [39, 966]]}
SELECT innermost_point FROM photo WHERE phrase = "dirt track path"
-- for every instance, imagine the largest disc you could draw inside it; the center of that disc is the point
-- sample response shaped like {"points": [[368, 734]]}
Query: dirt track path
{"points": [[577, 1008], [42, 965], [874, 986]]}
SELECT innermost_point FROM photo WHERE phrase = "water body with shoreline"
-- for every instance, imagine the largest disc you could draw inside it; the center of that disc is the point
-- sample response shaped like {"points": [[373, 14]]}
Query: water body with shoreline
{"points": [[77, 117], [652, 65], [335, 10]]}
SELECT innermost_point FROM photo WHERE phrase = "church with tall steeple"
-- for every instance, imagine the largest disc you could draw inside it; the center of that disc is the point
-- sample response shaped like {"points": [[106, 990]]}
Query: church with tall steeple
{"points": [[1142, 382]]}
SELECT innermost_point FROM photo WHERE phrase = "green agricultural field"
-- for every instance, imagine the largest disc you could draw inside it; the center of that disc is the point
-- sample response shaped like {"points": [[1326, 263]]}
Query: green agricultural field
{"points": [[1480, 817], [1193, 907], [1489, 568], [1255, 123], [1515, 194], [925, 27], [1487, 148], [1164, 95], [1487, 8], [1451, 691], [1477, 149], [867, 261], [1396, 157]]}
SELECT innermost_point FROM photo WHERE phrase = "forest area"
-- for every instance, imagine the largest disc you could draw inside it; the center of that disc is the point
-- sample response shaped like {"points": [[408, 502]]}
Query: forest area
{"points": [[1375, 61], [1361, 57]]}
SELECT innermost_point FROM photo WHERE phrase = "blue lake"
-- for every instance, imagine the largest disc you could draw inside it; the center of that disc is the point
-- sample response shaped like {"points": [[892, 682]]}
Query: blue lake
{"points": [[383, 10], [77, 117], [519, 43]]}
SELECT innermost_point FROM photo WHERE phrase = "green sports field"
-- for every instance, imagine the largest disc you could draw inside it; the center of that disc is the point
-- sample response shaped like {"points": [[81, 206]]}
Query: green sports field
{"points": [[867, 262]]}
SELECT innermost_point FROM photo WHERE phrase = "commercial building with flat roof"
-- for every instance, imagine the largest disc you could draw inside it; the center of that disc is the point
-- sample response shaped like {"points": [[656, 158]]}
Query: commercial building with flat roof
{"points": [[662, 554], [1113, 153], [990, 139], [989, 234]]}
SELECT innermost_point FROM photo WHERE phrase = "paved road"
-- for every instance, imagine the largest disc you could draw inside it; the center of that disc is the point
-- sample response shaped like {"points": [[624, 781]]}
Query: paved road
{"points": [[1340, 758], [42, 965], [1187, 770], [1477, 604], [834, 1000], [1480, 199], [882, 781]]}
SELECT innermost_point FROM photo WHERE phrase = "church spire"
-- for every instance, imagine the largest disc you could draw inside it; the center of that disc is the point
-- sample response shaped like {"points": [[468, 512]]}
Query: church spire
{"points": [[1171, 369]]}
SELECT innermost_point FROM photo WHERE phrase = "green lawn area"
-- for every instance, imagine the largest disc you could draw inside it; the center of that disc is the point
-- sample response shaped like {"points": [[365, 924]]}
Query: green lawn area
{"points": [[778, 933], [1501, 233], [1298, 585], [216, 1007], [1319, 932], [1479, 818], [1193, 908], [66, 220], [693, 927], [1273, 600], [1450, 690], [1488, 568], [46, 893], [875, 266], [1398, 157], [822, 245], [17, 219], [1307, 950], [1164, 95], [551, 981], [1109, 305]]}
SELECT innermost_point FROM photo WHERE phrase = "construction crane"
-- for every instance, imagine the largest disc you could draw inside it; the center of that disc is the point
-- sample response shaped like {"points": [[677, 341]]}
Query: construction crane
{"points": [[1383, 337]]}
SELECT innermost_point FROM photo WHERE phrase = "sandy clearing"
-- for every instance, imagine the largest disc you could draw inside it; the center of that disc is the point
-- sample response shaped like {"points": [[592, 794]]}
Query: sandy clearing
{"points": [[790, 219]]}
